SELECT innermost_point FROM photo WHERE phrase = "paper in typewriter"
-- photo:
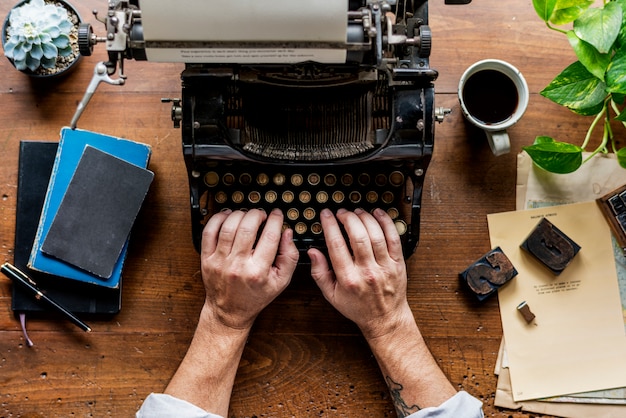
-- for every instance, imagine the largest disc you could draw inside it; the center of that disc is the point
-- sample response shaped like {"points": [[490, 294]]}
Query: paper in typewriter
{"points": [[192, 31]]}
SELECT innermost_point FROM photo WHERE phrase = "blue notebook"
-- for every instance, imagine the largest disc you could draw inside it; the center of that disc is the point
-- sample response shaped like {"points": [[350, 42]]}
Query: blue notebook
{"points": [[72, 146]]}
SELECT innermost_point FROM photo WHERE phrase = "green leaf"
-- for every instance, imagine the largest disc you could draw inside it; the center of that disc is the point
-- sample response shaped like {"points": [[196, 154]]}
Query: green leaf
{"points": [[622, 116], [544, 8], [576, 88], [616, 73], [556, 157], [621, 157], [600, 27], [621, 38], [567, 11], [595, 62]]}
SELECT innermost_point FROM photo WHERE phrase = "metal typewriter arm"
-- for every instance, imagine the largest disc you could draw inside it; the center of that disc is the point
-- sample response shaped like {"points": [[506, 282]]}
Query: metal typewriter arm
{"points": [[100, 75]]}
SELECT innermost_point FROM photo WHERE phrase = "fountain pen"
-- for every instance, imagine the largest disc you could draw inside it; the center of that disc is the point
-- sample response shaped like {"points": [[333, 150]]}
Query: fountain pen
{"points": [[20, 278]]}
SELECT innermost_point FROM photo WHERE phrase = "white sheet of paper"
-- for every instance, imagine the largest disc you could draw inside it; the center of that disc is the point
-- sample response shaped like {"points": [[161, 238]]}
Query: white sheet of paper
{"points": [[577, 342], [244, 21]]}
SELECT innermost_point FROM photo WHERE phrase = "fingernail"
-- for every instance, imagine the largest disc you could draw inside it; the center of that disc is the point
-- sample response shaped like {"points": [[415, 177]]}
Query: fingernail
{"points": [[326, 213], [340, 211], [358, 211]]}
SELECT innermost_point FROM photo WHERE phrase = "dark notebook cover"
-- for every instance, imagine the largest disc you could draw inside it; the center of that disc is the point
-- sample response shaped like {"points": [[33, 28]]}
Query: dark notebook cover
{"points": [[70, 150], [35, 166], [97, 212]]}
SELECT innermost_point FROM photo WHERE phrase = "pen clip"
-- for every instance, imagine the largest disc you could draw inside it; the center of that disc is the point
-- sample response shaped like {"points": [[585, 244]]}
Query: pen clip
{"points": [[18, 272]]}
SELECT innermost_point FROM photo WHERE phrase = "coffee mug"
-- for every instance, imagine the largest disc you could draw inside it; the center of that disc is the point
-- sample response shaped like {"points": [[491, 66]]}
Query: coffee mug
{"points": [[493, 96]]}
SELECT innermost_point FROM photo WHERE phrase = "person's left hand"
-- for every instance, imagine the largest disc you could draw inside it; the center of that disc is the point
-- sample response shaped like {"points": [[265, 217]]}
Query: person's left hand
{"points": [[241, 278]]}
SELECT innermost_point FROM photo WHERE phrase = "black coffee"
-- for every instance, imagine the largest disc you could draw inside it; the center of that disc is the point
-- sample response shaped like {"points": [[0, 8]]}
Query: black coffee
{"points": [[490, 96]]}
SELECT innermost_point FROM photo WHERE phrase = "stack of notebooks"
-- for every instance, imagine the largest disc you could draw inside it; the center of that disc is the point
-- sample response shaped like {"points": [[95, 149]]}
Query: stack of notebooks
{"points": [[77, 202]]}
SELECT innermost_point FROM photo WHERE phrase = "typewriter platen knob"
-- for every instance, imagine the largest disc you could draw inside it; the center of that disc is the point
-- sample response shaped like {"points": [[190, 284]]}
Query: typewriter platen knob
{"points": [[425, 37], [85, 36]]}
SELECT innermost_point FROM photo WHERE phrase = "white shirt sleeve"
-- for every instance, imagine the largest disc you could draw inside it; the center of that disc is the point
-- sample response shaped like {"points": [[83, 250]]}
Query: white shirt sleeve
{"points": [[160, 405], [157, 405], [461, 405]]}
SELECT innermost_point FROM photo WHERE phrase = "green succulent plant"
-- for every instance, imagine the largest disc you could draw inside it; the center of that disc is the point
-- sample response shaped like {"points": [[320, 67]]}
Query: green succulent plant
{"points": [[37, 34], [594, 85]]}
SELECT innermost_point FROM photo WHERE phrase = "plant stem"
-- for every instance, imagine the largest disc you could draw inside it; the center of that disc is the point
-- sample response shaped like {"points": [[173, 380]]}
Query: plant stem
{"points": [[593, 125]]}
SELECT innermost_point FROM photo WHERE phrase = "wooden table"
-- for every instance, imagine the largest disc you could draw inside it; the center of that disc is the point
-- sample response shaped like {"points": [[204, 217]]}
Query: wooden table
{"points": [[302, 358]]}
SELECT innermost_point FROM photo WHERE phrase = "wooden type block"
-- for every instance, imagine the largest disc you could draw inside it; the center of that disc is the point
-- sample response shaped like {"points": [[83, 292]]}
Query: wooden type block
{"points": [[488, 273], [550, 246]]}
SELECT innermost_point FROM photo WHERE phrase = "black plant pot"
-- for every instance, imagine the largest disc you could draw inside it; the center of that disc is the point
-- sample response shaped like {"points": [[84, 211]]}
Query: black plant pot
{"points": [[65, 65]]}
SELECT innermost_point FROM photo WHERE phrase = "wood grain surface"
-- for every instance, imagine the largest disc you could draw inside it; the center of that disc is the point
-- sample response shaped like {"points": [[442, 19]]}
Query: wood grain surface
{"points": [[303, 359]]}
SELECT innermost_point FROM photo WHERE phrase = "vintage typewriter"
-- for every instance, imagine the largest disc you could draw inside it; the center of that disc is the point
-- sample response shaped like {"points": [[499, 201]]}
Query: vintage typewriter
{"points": [[290, 104]]}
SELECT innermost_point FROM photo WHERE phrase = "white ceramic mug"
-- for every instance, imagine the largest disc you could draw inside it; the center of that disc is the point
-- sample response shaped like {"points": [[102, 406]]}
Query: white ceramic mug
{"points": [[493, 95]]}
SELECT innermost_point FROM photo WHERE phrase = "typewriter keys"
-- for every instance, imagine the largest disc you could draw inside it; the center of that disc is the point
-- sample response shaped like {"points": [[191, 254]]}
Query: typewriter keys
{"points": [[303, 192]]}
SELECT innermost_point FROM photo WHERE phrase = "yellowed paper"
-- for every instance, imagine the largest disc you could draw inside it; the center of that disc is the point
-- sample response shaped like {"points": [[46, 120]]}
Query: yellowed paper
{"points": [[577, 341]]}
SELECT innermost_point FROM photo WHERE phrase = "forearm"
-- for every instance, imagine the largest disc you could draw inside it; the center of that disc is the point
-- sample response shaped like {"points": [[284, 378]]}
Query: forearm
{"points": [[206, 375], [414, 378]]}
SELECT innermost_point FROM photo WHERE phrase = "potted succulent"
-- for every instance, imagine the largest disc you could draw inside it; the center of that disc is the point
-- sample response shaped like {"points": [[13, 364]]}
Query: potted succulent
{"points": [[594, 85], [40, 37]]}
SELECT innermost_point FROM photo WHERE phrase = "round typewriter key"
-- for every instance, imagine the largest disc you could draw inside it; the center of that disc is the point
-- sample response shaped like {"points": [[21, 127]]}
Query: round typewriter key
{"points": [[245, 179], [297, 180], [285, 227], [371, 196], [316, 228], [330, 179], [364, 179], [237, 196], [228, 179], [338, 196], [380, 179], [313, 179], [254, 196], [355, 197], [287, 196], [400, 227], [293, 214], [211, 179], [308, 213], [221, 197], [262, 179], [346, 179], [321, 197], [304, 196], [271, 196], [387, 197], [279, 179], [393, 213], [300, 228], [396, 178]]}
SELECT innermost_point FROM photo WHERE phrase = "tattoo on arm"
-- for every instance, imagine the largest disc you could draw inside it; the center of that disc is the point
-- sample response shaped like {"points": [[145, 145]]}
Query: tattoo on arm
{"points": [[402, 409]]}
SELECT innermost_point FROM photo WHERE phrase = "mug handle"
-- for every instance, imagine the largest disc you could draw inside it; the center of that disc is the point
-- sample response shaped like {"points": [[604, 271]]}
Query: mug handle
{"points": [[499, 142]]}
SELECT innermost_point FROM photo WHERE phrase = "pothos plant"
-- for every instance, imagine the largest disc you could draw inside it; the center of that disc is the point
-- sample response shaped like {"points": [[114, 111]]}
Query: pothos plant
{"points": [[594, 85]]}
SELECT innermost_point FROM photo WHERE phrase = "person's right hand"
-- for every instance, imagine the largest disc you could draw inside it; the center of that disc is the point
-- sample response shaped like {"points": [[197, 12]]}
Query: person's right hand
{"points": [[368, 284], [241, 278]]}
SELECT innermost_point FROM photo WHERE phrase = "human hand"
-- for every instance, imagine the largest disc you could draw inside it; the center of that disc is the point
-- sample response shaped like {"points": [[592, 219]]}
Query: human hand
{"points": [[240, 278], [369, 285]]}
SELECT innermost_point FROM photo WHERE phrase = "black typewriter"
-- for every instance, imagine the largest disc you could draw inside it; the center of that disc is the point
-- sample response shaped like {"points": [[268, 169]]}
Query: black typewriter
{"points": [[301, 135]]}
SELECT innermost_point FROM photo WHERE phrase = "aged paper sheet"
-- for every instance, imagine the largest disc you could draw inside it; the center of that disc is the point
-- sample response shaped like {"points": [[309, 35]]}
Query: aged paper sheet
{"points": [[577, 342]]}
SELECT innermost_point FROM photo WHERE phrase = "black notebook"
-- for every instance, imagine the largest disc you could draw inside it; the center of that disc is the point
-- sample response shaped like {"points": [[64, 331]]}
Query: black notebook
{"points": [[35, 166]]}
